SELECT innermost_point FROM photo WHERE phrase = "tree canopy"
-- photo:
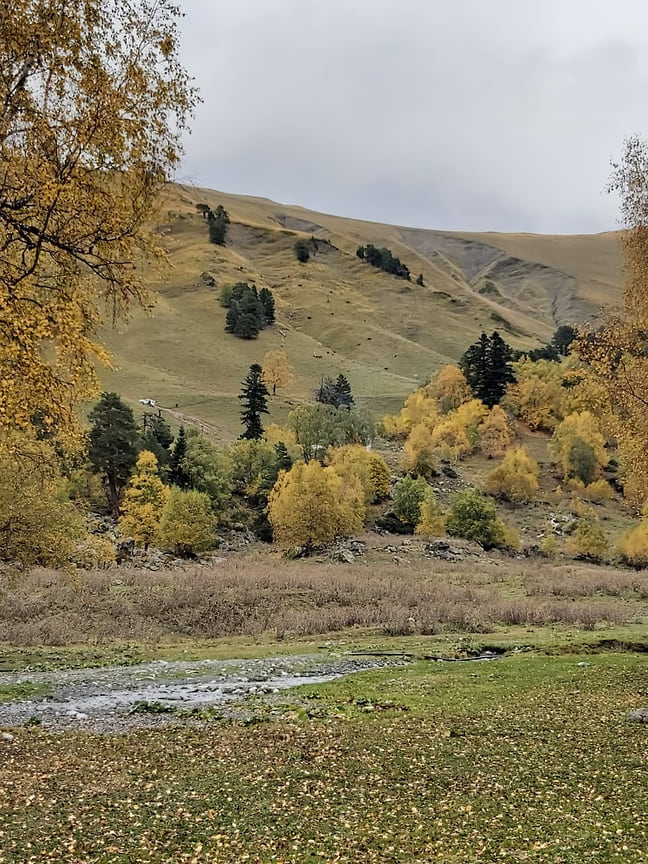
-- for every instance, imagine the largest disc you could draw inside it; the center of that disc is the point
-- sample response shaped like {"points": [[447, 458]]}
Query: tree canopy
{"points": [[93, 104]]}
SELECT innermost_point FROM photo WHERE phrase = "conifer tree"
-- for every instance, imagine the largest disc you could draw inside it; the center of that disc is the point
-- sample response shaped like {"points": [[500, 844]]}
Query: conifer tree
{"points": [[487, 367], [113, 445], [178, 475], [254, 397], [342, 392], [218, 222], [267, 300]]}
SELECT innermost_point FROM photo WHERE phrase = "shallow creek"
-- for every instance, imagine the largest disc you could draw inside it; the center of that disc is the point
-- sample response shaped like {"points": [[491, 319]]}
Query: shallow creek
{"points": [[107, 698]]}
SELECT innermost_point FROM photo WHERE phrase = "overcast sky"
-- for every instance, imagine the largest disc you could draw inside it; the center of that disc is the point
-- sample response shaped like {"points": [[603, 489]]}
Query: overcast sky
{"points": [[466, 114]]}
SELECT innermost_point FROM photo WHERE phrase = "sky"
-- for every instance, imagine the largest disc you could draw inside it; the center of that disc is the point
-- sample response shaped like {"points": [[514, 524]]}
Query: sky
{"points": [[501, 115]]}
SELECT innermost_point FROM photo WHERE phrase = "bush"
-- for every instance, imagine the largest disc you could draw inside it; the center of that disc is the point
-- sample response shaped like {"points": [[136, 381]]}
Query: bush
{"points": [[310, 505], [302, 252], [432, 520], [420, 451], [495, 433], [633, 546], [187, 525], [578, 447], [516, 478], [474, 517], [587, 540], [409, 495]]}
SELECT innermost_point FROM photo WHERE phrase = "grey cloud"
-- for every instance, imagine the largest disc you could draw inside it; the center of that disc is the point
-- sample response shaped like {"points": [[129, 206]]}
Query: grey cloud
{"points": [[463, 114]]}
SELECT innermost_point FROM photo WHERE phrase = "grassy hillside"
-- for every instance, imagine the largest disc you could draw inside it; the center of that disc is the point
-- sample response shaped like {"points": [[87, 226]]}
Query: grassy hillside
{"points": [[336, 313]]}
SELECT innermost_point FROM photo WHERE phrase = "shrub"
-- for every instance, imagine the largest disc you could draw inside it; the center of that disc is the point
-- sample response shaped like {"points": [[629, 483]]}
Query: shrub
{"points": [[409, 494], [302, 252], [432, 520], [420, 451], [310, 505], [578, 447], [633, 546], [587, 540], [495, 433], [516, 478], [187, 525], [474, 517]]}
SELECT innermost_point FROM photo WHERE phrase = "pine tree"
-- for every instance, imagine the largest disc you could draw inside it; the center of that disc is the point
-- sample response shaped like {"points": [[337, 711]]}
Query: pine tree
{"points": [[284, 462], [487, 367], [267, 300], [342, 392], [178, 475], [254, 397], [218, 222], [113, 445]]}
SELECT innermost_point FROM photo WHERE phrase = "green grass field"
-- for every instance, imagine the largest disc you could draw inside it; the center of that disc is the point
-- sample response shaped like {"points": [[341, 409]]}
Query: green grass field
{"points": [[528, 758]]}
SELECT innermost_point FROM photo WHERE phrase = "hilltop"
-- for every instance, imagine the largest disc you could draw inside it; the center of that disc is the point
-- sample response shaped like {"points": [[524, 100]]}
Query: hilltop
{"points": [[336, 313]]}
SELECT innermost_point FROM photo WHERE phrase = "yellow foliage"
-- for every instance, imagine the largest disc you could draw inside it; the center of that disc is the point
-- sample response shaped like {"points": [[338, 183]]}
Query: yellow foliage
{"points": [[432, 521], [94, 104], [597, 492], [188, 524], [495, 433], [277, 371], [587, 540], [450, 388], [144, 501], [633, 546], [37, 524], [379, 477], [419, 407], [516, 478], [310, 505], [354, 463], [420, 451], [537, 396], [578, 447]]}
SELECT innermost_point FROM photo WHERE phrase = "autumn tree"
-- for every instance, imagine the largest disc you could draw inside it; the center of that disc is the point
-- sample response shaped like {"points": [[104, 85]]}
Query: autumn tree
{"points": [[495, 433], [38, 524], [254, 398], [277, 372], [93, 104], [515, 478], [353, 462], [187, 524], [616, 350], [310, 505], [578, 447], [421, 451], [113, 444], [450, 388], [144, 501]]}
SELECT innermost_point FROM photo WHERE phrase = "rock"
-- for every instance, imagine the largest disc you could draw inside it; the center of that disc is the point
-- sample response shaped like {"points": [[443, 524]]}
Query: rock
{"points": [[208, 279], [640, 715], [7, 736], [345, 556]]}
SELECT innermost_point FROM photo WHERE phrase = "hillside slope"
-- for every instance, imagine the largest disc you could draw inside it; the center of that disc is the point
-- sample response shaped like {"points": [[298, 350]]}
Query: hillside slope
{"points": [[337, 313]]}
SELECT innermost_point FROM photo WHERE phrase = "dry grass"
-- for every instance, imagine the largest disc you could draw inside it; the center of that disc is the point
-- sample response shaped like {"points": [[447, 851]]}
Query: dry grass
{"points": [[251, 598]]}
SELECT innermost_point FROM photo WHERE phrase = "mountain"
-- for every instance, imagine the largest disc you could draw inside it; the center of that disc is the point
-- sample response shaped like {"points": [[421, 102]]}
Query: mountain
{"points": [[337, 313]]}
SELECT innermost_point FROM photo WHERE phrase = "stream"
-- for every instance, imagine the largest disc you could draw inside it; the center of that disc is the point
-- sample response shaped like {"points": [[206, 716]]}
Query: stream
{"points": [[120, 698]]}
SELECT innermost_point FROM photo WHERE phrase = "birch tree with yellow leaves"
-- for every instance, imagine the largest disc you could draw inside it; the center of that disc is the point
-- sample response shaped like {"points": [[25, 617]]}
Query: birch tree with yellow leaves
{"points": [[93, 103]]}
